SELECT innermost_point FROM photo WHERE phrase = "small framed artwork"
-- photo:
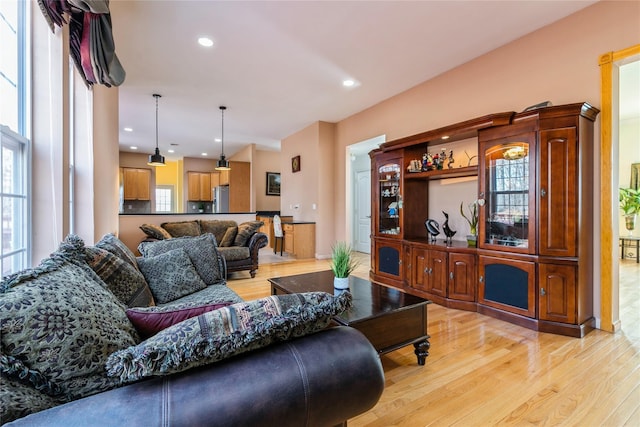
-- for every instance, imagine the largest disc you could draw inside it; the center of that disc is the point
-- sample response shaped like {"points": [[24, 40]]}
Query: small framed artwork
{"points": [[273, 184], [295, 164]]}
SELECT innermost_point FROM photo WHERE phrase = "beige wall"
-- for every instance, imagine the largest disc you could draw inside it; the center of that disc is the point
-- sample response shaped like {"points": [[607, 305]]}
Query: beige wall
{"points": [[265, 161]]}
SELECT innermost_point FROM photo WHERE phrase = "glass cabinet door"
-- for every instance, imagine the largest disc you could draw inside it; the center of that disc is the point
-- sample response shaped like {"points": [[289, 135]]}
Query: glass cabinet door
{"points": [[389, 198], [508, 190]]}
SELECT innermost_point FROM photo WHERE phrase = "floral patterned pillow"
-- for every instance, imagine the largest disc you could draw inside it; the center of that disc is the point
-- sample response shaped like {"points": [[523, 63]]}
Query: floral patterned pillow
{"points": [[155, 231], [245, 231], [170, 275], [18, 400], [226, 332], [111, 243], [61, 321]]}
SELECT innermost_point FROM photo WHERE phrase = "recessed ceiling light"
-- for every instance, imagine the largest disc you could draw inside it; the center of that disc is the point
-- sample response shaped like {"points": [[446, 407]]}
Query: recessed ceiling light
{"points": [[171, 151], [445, 137], [133, 147], [217, 140], [205, 41], [348, 83], [128, 129], [204, 154]]}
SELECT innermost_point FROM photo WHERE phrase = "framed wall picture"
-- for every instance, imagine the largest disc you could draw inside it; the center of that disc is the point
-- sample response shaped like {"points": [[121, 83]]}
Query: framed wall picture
{"points": [[295, 164], [273, 184]]}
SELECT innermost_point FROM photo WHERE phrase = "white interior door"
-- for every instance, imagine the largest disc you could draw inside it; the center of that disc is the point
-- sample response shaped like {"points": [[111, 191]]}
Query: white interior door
{"points": [[362, 208]]}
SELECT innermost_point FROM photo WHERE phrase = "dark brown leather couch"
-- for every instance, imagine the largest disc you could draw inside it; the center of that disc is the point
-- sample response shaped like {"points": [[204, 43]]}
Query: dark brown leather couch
{"points": [[317, 380]]}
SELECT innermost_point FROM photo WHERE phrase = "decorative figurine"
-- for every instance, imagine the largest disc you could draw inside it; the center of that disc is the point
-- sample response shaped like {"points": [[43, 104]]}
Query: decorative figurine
{"points": [[451, 160], [433, 228], [445, 227], [469, 157]]}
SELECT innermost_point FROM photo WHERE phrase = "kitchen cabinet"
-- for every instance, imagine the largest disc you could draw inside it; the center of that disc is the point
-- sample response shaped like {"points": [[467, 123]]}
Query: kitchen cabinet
{"points": [[199, 187], [136, 183], [300, 239]]}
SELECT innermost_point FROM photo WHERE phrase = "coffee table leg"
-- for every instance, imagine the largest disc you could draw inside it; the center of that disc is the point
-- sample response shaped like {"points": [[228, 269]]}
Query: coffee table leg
{"points": [[422, 350]]}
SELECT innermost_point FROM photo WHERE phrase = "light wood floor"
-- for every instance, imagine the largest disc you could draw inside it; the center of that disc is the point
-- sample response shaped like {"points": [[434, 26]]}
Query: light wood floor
{"points": [[483, 372]]}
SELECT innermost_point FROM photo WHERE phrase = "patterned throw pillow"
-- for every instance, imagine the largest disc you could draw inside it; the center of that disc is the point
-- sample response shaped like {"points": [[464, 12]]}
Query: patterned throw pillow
{"points": [[111, 243], [18, 400], [201, 250], [155, 231], [151, 320], [182, 228], [229, 236], [245, 231], [61, 321], [226, 332], [171, 275], [123, 280]]}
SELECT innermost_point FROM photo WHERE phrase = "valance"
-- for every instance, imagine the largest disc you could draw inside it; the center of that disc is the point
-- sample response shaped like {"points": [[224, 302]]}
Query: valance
{"points": [[91, 42]]}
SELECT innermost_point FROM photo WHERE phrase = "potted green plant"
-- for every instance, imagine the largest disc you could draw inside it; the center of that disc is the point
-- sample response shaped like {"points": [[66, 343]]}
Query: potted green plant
{"points": [[630, 205], [201, 207], [342, 264], [472, 219]]}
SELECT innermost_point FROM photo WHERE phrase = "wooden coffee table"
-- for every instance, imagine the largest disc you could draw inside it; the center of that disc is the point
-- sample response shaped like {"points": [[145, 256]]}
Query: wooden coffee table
{"points": [[388, 317]]}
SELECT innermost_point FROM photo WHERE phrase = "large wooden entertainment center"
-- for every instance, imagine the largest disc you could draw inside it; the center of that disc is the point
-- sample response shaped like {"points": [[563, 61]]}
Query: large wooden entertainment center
{"points": [[533, 264]]}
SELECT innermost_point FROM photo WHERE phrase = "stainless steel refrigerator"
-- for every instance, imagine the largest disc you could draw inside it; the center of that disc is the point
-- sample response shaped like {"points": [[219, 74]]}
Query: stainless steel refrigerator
{"points": [[221, 199]]}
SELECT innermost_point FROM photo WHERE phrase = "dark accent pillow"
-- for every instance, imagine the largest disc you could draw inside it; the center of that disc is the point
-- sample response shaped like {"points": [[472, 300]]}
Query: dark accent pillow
{"points": [[61, 321], [182, 228], [170, 275], [18, 400], [245, 231], [151, 320], [217, 227], [155, 231], [111, 243], [226, 332], [229, 236], [123, 280], [202, 251]]}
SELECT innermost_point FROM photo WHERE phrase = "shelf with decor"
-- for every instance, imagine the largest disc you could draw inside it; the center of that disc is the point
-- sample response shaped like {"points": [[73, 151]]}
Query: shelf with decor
{"points": [[533, 265]]}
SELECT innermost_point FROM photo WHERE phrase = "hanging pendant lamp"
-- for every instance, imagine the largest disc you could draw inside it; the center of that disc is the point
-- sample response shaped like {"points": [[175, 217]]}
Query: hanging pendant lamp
{"points": [[223, 163], [156, 159]]}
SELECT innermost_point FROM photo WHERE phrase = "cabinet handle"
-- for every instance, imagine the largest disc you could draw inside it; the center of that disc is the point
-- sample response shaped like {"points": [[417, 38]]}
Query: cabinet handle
{"points": [[481, 279], [451, 275], [543, 192], [543, 292], [426, 270]]}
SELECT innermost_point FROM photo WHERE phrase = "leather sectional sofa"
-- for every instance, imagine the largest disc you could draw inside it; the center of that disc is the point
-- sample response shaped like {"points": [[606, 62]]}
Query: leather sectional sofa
{"points": [[290, 372]]}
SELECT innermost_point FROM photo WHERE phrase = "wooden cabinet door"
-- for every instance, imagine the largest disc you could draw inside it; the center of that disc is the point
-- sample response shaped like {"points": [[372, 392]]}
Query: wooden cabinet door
{"points": [[558, 191], [224, 177], [206, 195], [239, 186], [557, 297], [136, 183], [507, 284], [437, 262], [420, 270], [388, 255], [289, 238], [462, 277], [193, 189]]}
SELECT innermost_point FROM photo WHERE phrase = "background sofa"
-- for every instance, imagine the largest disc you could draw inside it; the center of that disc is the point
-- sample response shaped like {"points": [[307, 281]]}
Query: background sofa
{"points": [[268, 362], [239, 244]]}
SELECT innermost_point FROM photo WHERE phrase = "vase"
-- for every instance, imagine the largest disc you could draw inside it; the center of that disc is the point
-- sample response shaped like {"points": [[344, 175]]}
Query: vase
{"points": [[341, 282], [472, 240], [630, 223]]}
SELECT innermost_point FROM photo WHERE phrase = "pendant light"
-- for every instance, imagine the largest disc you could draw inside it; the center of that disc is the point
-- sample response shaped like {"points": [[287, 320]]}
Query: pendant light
{"points": [[223, 164], [156, 159]]}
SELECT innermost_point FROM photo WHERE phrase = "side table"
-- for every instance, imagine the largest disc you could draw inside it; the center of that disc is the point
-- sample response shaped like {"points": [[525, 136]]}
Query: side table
{"points": [[630, 240]]}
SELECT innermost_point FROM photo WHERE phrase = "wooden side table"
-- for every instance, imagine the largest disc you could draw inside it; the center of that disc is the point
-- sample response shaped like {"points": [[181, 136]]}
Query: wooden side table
{"points": [[630, 240]]}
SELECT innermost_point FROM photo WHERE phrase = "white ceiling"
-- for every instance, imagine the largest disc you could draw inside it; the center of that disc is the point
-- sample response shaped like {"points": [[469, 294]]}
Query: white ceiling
{"points": [[279, 66]]}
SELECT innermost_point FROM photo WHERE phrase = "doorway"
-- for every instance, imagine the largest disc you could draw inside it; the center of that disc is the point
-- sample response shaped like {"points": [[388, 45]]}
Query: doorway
{"points": [[610, 64], [358, 194]]}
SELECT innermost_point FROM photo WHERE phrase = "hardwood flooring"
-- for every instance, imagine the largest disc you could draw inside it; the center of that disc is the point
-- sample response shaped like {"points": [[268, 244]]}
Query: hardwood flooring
{"points": [[482, 371]]}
